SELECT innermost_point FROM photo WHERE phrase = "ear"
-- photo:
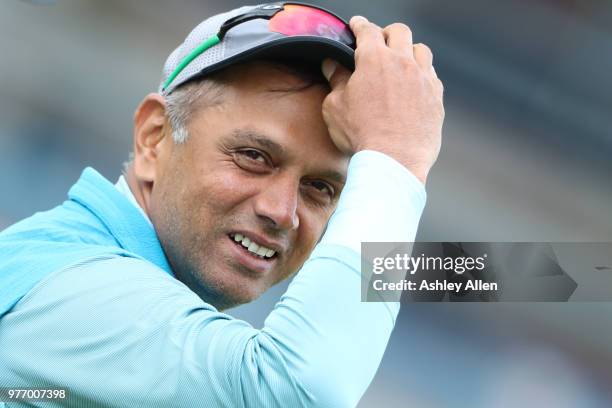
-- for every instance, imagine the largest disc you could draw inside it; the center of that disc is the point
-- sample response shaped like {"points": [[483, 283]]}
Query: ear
{"points": [[150, 129]]}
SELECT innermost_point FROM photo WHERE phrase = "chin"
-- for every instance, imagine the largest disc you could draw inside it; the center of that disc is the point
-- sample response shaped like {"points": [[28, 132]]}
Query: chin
{"points": [[228, 301], [227, 293]]}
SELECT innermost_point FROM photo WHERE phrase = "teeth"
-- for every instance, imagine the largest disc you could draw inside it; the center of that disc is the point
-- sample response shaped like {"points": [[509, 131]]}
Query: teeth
{"points": [[253, 247], [259, 250]]}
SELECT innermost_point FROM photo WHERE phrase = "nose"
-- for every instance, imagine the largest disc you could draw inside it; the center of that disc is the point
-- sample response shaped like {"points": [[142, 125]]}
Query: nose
{"points": [[277, 203]]}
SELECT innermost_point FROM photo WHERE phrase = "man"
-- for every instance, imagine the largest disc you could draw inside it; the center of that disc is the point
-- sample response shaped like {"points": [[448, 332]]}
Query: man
{"points": [[238, 165]]}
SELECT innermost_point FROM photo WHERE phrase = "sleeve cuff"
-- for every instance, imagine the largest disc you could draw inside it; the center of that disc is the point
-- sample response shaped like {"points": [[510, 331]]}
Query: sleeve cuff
{"points": [[382, 201]]}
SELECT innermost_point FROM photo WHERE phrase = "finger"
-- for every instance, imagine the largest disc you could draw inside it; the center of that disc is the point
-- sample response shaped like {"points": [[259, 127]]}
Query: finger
{"points": [[439, 86], [336, 74], [399, 37], [423, 56], [366, 33]]}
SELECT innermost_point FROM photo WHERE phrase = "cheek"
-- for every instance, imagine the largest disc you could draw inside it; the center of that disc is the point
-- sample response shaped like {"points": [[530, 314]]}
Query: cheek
{"points": [[307, 237], [312, 226], [163, 202], [218, 193]]}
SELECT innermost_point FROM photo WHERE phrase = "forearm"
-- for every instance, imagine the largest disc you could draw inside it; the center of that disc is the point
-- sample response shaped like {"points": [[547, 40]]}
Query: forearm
{"points": [[333, 342]]}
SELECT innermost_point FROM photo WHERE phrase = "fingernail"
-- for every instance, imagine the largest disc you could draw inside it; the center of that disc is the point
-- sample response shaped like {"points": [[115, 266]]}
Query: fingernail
{"points": [[329, 67], [357, 19]]}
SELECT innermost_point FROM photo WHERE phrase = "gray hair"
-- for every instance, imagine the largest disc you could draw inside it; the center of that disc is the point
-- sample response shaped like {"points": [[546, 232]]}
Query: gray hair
{"points": [[186, 100], [182, 104]]}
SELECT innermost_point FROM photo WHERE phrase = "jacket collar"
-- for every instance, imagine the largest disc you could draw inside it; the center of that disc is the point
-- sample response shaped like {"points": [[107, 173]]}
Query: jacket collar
{"points": [[123, 221]]}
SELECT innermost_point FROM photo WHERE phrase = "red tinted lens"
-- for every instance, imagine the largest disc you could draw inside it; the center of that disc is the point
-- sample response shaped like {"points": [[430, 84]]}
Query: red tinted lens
{"points": [[303, 20]]}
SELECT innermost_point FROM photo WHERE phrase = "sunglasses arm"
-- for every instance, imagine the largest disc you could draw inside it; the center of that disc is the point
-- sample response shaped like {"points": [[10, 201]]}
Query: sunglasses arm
{"points": [[234, 21]]}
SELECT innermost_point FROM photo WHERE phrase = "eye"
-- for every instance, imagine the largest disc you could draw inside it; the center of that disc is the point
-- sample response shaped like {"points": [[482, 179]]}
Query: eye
{"points": [[321, 190], [253, 155], [252, 160], [323, 187]]}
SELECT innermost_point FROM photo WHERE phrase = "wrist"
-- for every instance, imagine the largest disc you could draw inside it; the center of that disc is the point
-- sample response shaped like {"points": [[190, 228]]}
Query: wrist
{"points": [[418, 167]]}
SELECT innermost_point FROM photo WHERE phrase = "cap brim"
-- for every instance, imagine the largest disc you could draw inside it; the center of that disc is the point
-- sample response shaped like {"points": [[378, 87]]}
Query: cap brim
{"points": [[306, 48]]}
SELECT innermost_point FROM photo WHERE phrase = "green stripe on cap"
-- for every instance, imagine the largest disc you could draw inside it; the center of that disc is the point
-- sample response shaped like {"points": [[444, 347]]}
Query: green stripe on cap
{"points": [[210, 42]]}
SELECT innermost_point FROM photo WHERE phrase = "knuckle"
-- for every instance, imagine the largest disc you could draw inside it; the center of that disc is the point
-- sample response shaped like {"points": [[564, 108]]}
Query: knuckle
{"points": [[372, 28], [335, 102], [361, 50], [329, 101], [370, 52], [380, 49], [328, 110], [398, 27], [405, 61], [442, 112], [422, 47]]}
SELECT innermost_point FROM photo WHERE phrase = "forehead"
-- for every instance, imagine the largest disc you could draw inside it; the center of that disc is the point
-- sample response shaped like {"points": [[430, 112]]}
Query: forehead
{"points": [[272, 103], [264, 90]]}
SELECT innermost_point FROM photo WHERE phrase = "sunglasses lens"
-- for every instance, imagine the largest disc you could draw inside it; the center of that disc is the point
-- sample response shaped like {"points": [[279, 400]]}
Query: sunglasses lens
{"points": [[303, 20]]}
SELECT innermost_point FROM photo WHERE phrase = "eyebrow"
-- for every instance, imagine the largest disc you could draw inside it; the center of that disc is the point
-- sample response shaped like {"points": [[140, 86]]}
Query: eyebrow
{"points": [[253, 137], [334, 176]]}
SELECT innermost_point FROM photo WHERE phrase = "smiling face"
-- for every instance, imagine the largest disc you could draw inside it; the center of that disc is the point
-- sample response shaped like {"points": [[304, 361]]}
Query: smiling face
{"points": [[259, 171]]}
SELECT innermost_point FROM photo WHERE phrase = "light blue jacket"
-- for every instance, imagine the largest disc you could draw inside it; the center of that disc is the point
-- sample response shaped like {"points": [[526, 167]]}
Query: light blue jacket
{"points": [[95, 221], [89, 303]]}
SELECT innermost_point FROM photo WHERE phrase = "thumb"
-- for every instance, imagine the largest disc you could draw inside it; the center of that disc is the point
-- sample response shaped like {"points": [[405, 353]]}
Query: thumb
{"points": [[336, 74]]}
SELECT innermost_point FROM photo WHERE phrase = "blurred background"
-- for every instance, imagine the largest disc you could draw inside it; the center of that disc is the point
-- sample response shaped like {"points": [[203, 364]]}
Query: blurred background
{"points": [[526, 156]]}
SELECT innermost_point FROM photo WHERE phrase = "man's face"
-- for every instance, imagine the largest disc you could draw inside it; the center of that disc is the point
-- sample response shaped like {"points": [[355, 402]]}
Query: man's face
{"points": [[259, 166]]}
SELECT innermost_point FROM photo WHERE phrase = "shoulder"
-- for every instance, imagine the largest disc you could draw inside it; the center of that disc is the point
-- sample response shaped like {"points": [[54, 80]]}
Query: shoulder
{"points": [[124, 287], [111, 329]]}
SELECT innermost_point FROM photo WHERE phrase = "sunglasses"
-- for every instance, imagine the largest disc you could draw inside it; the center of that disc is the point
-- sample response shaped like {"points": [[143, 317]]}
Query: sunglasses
{"points": [[286, 18]]}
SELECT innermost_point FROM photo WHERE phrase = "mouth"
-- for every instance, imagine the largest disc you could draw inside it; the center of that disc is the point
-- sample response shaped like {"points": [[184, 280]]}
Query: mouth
{"points": [[252, 248]]}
